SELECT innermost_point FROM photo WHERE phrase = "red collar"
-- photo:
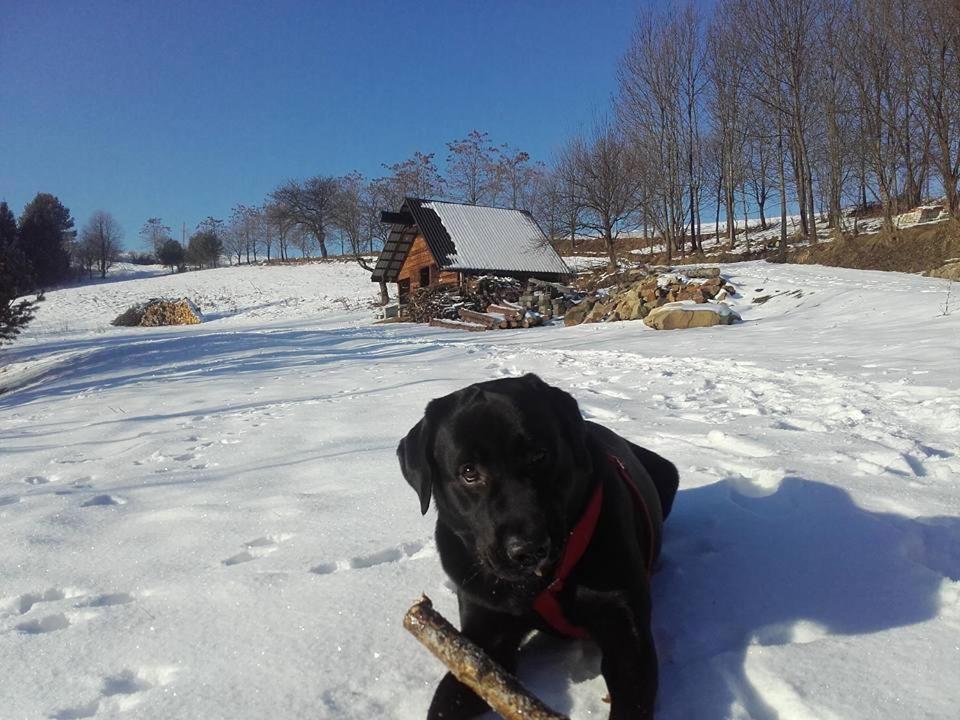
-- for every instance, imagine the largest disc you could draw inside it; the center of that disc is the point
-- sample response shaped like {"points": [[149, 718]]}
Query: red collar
{"points": [[547, 603]]}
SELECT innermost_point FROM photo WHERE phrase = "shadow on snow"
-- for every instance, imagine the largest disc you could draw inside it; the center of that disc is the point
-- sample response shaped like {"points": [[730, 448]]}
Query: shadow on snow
{"points": [[738, 571]]}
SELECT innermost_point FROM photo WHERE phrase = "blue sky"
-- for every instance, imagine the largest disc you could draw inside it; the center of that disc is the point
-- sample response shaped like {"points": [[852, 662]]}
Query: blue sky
{"points": [[182, 110]]}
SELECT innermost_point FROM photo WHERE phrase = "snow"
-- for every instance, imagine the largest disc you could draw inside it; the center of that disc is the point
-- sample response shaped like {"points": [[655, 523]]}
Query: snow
{"points": [[209, 521]]}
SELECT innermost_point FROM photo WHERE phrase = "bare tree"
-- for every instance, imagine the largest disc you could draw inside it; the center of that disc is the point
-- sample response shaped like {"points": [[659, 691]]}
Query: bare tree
{"points": [[154, 234], [872, 63], [602, 171], [240, 236], [651, 108], [472, 169], [518, 177], [935, 33], [279, 222], [100, 242], [415, 177], [727, 73], [310, 205], [780, 39]]}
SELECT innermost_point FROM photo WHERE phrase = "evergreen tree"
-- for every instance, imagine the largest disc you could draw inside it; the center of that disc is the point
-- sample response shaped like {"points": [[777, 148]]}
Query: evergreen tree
{"points": [[14, 277], [8, 226], [172, 254], [45, 231]]}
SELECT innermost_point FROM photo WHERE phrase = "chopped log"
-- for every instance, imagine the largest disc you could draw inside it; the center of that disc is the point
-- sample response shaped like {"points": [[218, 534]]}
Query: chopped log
{"points": [[457, 325], [491, 320], [511, 313], [473, 667], [531, 318]]}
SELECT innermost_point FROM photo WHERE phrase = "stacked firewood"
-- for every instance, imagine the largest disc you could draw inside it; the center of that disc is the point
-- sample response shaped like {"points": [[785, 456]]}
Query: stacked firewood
{"points": [[502, 316], [160, 311], [441, 301], [445, 301]]}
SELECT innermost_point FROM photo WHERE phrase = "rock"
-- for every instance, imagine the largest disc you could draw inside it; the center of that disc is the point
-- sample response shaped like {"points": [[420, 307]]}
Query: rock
{"points": [[691, 292], [629, 306], [678, 316], [704, 272], [158, 311], [576, 314], [598, 312], [950, 271]]}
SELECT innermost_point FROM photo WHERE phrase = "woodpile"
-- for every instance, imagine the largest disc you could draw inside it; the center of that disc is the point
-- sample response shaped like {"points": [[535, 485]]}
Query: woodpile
{"points": [[441, 301], [489, 304], [158, 311]]}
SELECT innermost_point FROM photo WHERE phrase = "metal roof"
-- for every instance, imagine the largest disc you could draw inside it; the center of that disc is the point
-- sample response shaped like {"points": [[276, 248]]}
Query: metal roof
{"points": [[472, 238]]}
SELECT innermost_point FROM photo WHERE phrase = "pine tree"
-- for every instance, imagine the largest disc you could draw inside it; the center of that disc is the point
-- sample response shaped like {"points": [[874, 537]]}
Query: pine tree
{"points": [[45, 231], [14, 277]]}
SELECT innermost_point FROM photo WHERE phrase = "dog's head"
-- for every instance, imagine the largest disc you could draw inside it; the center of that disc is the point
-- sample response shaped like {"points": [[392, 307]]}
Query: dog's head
{"points": [[508, 465]]}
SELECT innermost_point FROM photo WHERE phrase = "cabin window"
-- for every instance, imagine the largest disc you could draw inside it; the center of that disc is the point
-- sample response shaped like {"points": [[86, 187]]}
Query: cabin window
{"points": [[424, 276]]}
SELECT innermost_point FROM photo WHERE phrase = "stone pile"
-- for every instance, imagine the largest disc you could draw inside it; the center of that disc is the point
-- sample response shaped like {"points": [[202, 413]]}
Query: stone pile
{"points": [[642, 291]]}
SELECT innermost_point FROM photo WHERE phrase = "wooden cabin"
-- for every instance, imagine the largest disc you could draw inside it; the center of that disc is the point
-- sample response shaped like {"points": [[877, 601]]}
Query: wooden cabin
{"points": [[433, 242]]}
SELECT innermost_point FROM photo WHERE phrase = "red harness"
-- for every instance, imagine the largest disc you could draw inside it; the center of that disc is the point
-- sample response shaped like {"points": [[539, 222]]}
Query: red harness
{"points": [[547, 603]]}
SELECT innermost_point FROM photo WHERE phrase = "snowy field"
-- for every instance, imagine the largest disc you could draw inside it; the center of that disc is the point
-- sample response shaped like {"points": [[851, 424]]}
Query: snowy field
{"points": [[209, 521]]}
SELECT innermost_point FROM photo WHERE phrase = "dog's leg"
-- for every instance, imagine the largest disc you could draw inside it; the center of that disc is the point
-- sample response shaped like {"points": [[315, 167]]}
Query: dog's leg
{"points": [[619, 622], [499, 635]]}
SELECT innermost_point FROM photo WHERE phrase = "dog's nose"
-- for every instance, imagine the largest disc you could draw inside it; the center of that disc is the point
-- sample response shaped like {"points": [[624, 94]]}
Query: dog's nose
{"points": [[525, 552]]}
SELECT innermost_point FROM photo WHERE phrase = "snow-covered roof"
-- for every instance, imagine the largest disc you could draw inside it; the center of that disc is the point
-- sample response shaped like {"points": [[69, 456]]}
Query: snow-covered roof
{"points": [[472, 238], [492, 238]]}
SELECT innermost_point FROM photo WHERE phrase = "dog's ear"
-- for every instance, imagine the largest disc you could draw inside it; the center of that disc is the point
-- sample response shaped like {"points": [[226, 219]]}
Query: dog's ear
{"points": [[415, 462], [415, 451]]}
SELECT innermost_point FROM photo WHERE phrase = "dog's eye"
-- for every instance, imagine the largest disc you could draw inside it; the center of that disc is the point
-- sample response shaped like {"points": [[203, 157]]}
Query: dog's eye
{"points": [[469, 474]]}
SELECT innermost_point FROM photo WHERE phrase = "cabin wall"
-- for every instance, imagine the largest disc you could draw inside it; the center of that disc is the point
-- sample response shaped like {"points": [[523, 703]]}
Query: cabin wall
{"points": [[419, 259]]}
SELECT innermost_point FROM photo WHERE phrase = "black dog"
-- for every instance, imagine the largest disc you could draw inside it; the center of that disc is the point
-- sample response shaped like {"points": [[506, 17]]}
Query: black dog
{"points": [[545, 522]]}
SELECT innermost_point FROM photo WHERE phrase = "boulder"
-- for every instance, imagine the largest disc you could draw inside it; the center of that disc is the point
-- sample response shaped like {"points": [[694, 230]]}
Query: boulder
{"points": [[629, 306], [576, 314], [160, 311], [950, 271], [703, 272], [598, 312], [682, 315]]}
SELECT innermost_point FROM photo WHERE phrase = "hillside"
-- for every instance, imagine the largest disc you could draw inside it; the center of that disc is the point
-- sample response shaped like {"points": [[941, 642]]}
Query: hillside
{"points": [[209, 521]]}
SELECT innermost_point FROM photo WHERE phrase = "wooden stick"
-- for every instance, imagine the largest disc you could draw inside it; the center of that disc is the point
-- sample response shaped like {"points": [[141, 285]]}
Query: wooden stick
{"points": [[473, 667]]}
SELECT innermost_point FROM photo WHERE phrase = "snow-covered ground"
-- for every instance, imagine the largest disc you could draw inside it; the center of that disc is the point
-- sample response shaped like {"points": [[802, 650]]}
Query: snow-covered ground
{"points": [[209, 521]]}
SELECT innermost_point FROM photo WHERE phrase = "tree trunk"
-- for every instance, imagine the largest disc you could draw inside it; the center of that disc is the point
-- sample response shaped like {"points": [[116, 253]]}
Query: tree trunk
{"points": [[782, 254]]}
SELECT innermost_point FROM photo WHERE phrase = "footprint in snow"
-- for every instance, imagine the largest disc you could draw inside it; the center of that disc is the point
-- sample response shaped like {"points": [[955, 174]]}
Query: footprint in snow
{"points": [[257, 548], [104, 501], [118, 693], [107, 600], [9, 500], [404, 551], [25, 603], [50, 623]]}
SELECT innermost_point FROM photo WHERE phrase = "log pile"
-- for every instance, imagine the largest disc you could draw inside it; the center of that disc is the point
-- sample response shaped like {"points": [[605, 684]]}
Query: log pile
{"points": [[490, 304], [158, 311]]}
